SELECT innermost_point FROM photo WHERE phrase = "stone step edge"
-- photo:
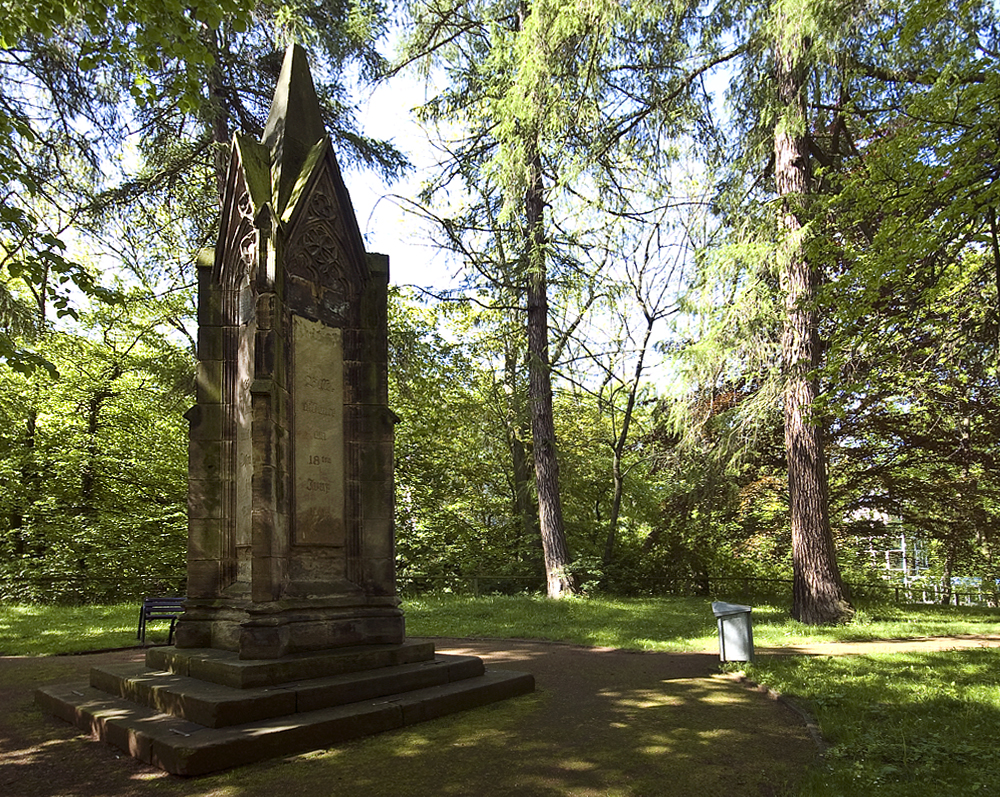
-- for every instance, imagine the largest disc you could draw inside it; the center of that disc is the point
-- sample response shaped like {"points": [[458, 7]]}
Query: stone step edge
{"points": [[226, 668], [216, 706], [185, 748]]}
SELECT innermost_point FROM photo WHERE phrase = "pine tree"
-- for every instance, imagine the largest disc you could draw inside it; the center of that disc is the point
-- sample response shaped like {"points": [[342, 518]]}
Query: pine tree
{"points": [[564, 108], [818, 594]]}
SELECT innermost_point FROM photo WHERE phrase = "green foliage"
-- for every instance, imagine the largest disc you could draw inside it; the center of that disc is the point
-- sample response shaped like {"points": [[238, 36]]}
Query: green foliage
{"points": [[901, 227], [93, 464], [115, 116], [142, 34], [913, 291], [457, 512], [66, 67], [723, 498], [915, 416], [585, 430], [902, 104], [454, 508]]}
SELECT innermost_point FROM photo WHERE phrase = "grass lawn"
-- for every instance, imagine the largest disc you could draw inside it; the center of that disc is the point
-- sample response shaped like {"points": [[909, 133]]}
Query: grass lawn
{"points": [[667, 624], [670, 624], [900, 724], [41, 630]]}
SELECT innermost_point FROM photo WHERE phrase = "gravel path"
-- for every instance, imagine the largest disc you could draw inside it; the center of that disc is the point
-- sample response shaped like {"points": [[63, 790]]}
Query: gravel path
{"points": [[602, 722]]}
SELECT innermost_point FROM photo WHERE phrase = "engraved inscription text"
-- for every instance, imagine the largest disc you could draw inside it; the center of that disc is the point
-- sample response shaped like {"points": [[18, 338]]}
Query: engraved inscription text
{"points": [[318, 399]]}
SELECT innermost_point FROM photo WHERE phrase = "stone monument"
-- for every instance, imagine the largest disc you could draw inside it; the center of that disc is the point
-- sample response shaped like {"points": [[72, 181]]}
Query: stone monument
{"points": [[292, 637], [291, 486]]}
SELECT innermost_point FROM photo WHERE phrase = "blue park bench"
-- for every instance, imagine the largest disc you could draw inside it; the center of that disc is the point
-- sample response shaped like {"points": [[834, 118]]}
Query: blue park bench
{"points": [[159, 609]]}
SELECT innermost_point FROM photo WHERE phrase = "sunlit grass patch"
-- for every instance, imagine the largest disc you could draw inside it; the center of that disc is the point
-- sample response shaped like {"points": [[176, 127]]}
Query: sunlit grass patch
{"points": [[670, 624], [901, 723], [665, 624], [642, 624], [36, 630]]}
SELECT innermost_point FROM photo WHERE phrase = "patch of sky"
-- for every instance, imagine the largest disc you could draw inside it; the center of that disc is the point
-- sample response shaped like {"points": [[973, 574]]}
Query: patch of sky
{"points": [[389, 213]]}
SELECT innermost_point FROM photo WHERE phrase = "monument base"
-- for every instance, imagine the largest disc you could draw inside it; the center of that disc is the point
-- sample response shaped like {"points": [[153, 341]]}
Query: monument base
{"points": [[281, 628], [191, 712]]}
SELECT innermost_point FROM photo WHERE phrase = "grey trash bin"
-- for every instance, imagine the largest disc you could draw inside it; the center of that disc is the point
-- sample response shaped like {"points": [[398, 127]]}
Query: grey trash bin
{"points": [[735, 631]]}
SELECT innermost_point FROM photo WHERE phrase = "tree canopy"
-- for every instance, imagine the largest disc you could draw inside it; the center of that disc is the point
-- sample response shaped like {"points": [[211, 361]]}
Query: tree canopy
{"points": [[728, 302]]}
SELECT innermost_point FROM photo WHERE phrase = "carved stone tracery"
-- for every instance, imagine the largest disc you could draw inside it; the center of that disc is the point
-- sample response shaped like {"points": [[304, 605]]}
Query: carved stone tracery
{"points": [[237, 266], [317, 251], [240, 242]]}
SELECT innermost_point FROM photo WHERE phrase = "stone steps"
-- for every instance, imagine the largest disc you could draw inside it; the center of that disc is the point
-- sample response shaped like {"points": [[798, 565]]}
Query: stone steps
{"points": [[189, 726], [216, 706]]}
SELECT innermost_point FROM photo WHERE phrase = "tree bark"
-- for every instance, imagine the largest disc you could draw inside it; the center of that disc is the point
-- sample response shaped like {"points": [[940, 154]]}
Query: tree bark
{"points": [[949, 569], [618, 484], [529, 533], [543, 433], [219, 117], [818, 594], [558, 580]]}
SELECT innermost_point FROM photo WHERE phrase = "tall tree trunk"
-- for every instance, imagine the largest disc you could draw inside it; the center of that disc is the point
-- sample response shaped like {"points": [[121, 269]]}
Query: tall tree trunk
{"points": [[517, 431], [543, 432], [818, 594], [618, 485], [558, 580], [88, 479], [219, 118], [949, 569]]}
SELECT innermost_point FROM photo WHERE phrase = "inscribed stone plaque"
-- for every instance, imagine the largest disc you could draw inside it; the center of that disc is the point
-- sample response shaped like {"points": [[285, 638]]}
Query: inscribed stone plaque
{"points": [[243, 443], [318, 396]]}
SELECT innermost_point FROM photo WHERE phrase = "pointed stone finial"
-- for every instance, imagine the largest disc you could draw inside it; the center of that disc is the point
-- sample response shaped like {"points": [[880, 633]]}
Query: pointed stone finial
{"points": [[294, 125]]}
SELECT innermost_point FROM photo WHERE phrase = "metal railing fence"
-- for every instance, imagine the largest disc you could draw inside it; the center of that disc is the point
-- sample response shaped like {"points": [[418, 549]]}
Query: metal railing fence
{"points": [[77, 588]]}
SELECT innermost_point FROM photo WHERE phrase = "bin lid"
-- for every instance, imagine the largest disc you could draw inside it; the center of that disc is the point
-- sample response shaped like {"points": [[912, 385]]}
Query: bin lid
{"points": [[722, 609]]}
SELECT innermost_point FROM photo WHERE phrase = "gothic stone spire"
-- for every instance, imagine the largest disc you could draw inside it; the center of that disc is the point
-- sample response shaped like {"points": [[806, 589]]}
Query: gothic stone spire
{"points": [[294, 126]]}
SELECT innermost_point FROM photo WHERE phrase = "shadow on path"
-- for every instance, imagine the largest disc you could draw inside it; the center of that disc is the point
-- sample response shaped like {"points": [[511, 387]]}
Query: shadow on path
{"points": [[602, 722]]}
